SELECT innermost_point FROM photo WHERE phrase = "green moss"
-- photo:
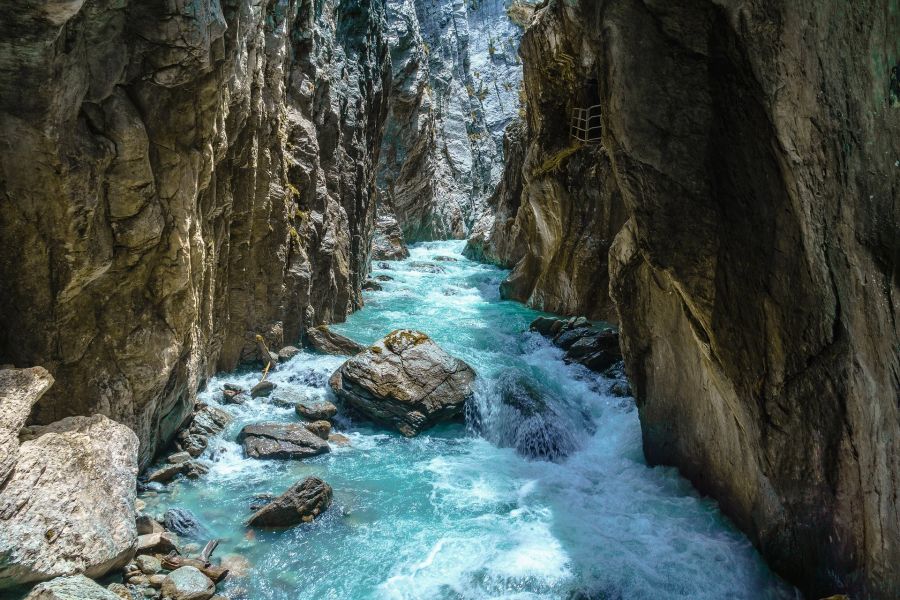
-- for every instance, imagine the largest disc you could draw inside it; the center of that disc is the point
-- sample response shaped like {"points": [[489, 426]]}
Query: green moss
{"points": [[556, 161], [400, 340]]}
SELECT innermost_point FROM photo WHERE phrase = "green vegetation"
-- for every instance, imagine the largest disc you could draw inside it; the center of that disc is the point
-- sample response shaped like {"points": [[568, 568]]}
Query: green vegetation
{"points": [[555, 162]]}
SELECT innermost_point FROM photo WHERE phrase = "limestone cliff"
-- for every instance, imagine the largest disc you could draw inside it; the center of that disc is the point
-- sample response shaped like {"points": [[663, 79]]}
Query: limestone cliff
{"points": [[176, 177], [753, 151], [455, 87]]}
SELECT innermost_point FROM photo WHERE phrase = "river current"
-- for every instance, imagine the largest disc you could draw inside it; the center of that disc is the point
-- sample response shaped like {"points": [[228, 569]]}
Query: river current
{"points": [[452, 514]]}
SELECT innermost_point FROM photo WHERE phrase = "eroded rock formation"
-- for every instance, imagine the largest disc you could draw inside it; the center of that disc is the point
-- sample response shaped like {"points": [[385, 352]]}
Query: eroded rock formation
{"points": [[753, 151], [176, 178]]}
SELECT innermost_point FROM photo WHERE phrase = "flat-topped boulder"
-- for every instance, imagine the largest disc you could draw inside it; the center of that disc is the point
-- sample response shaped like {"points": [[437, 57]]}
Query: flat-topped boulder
{"points": [[324, 340], [281, 440], [405, 381], [315, 410], [68, 506]]}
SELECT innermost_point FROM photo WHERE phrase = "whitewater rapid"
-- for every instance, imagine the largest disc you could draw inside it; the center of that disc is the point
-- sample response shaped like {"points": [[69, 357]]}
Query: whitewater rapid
{"points": [[450, 514]]}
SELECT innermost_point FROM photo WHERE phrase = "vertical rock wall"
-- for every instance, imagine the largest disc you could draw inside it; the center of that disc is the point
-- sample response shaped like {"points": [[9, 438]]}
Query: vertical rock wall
{"points": [[176, 177], [754, 152]]}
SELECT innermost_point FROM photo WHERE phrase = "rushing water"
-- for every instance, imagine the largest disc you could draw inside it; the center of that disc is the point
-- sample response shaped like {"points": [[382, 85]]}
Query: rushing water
{"points": [[449, 514]]}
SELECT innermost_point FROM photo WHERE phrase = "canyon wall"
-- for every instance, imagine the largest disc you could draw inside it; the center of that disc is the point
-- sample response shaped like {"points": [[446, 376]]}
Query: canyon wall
{"points": [[753, 154], [454, 89], [175, 178]]}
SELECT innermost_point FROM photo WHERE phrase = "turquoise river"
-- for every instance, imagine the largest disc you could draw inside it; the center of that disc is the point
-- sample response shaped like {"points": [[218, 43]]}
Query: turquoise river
{"points": [[452, 514]]}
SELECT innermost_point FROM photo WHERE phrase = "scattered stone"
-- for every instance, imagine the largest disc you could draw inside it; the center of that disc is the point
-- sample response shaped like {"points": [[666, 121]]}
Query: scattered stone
{"points": [[206, 421], [232, 387], [193, 444], [139, 580], [188, 583], [316, 410], [178, 458], [339, 439], [383, 278], [75, 587], [620, 389], [157, 580], [372, 286], [384, 266], [157, 543], [120, 590], [287, 353], [280, 440], [286, 397], [147, 564], [426, 267], [183, 523], [263, 388], [405, 381], [147, 524], [195, 469], [323, 340], [302, 503], [68, 506], [445, 259], [320, 428], [310, 377], [233, 397]]}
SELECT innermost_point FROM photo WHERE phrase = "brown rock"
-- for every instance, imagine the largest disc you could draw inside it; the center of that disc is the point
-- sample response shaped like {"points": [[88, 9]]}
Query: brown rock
{"points": [[302, 503], [321, 428], [315, 410], [323, 340], [280, 440]]}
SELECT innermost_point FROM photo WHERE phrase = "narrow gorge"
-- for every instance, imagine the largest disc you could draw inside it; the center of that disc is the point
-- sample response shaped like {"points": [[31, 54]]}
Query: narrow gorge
{"points": [[424, 299]]}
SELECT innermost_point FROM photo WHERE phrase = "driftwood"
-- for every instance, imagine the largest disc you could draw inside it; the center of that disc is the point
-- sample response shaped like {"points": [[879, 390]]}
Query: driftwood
{"points": [[208, 549], [214, 572]]}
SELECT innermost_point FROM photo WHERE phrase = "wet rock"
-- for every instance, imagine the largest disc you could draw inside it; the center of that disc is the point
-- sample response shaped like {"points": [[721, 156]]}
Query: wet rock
{"points": [[147, 564], [146, 524], [233, 387], [388, 243], [205, 421], [184, 523], [287, 397], [316, 410], [280, 440], [384, 266], [238, 566], [166, 473], [287, 353], [188, 583], [68, 506], [543, 325], [262, 389], [425, 267], [19, 390], [121, 591], [233, 397], [383, 278], [75, 587], [310, 378], [445, 259], [157, 543], [372, 286], [405, 381], [339, 439], [323, 340], [302, 503], [320, 428]]}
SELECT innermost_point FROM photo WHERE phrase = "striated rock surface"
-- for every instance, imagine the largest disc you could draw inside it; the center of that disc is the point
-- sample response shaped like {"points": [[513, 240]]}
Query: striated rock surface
{"points": [[68, 507], [19, 390], [405, 381], [323, 340], [301, 503], [281, 440], [752, 151], [176, 178]]}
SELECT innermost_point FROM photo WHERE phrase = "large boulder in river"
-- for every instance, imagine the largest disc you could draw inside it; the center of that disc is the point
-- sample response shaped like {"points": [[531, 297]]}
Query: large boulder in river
{"points": [[188, 583], [302, 503], [19, 390], [68, 506], [405, 381], [281, 440], [76, 587], [324, 340]]}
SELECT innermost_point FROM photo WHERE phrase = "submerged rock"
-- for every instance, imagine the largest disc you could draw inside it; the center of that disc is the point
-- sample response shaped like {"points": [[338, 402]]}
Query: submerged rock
{"points": [[75, 587], [405, 381], [383, 278], [302, 503], [68, 505], [426, 267], [316, 410], [188, 583], [323, 340], [372, 286], [184, 523], [262, 389], [280, 440]]}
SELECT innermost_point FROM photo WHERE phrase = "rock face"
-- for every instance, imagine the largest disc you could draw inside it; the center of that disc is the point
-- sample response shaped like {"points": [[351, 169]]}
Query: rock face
{"points": [[302, 503], [281, 440], [755, 279], [68, 507], [405, 381], [19, 390], [185, 175], [454, 87], [76, 587]]}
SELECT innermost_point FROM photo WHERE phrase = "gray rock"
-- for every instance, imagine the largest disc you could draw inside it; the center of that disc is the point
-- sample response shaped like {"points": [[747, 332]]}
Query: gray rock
{"points": [[75, 587], [263, 388], [372, 286], [183, 523], [321, 429], [233, 397], [19, 390], [147, 564], [178, 458], [302, 503], [285, 397], [316, 410], [426, 267], [147, 524], [323, 340], [188, 583], [232, 387], [157, 543], [405, 381], [59, 520], [383, 278], [287, 353], [280, 440]]}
